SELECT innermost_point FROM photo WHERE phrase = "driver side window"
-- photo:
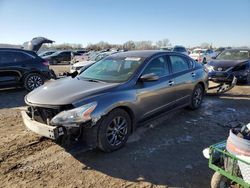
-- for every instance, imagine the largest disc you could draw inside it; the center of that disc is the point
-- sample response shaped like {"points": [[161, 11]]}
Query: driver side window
{"points": [[158, 66]]}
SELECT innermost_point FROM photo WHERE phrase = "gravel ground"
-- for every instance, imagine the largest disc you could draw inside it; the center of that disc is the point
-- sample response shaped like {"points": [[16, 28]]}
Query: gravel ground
{"points": [[164, 152]]}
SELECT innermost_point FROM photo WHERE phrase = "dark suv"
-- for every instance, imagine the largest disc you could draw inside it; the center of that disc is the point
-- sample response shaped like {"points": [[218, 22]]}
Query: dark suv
{"points": [[59, 57], [22, 68]]}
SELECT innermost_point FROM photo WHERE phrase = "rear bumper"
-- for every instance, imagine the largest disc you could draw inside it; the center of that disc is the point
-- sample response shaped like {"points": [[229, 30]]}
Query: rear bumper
{"points": [[48, 74], [48, 131]]}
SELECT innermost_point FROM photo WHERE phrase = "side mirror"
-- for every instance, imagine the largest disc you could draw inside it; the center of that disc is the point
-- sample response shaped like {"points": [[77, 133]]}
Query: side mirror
{"points": [[213, 57], [149, 77]]}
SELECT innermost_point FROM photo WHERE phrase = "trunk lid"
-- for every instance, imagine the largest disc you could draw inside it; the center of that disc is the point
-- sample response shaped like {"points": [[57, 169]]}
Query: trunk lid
{"points": [[36, 43]]}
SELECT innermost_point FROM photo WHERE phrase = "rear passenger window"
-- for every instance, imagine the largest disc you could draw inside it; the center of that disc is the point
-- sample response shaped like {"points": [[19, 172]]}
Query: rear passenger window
{"points": [[13, 57], [18, 56], [157, 66], [179, 64]]}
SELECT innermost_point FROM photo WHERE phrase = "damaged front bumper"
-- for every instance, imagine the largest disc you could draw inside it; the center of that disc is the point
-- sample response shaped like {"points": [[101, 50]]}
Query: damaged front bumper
{"points": [[224, 81], [45, 130]]}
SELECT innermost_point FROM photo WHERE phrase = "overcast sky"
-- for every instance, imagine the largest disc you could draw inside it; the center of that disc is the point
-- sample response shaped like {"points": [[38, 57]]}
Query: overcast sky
{"points": [[186, 22]]}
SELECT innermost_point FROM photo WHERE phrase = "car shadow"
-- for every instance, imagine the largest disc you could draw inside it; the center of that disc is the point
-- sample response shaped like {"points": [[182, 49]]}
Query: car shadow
{"points": [[12, 98], [168, 150]]}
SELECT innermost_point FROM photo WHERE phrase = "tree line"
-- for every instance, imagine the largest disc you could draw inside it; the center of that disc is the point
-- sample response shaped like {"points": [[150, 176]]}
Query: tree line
{"points": [[129, 45]]}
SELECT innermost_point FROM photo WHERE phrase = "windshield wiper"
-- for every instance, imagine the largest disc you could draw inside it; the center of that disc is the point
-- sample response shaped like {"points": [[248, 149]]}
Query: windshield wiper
{"points": [[94, 80]]}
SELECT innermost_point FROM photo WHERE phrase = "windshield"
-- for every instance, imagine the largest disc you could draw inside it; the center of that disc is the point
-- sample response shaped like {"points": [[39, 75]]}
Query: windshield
{"points": [[234, 55], [112, 69]]}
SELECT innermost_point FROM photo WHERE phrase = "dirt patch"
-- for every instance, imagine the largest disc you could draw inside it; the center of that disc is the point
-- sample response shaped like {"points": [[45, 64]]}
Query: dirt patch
{"points": [[166, 151], [60, 68]]}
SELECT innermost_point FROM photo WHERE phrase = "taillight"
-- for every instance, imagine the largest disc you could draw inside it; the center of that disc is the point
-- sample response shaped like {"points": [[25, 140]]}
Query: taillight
{"points": [[46, 63]]}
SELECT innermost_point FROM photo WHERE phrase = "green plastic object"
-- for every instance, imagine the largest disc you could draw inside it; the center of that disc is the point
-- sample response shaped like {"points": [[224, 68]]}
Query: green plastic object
{"points": [[226, 164]]}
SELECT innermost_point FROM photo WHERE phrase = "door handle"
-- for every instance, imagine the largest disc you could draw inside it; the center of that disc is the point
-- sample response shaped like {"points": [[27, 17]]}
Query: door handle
{"points": [[171, 82], [193, 74]]}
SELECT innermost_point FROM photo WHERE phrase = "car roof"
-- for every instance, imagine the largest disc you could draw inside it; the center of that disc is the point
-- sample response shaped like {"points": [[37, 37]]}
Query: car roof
{"points": [[16, 50], [139, 53], [179, 46], [146, 53]]}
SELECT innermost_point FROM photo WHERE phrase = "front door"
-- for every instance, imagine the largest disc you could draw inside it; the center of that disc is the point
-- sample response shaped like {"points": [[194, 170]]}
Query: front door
{"points": [[155, 96]]}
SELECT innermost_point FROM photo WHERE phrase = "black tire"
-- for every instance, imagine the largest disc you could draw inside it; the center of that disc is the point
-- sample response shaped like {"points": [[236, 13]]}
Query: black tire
{"points": [[113, 133], [219, 181], [204, 61], [32, 81], [197, 97]]}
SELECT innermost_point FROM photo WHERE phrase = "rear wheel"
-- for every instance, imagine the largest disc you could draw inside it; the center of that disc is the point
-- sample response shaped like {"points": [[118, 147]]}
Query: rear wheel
{"points": [[32, 81], [204, 61], [219, 181], [114, 130], [197, 97]]}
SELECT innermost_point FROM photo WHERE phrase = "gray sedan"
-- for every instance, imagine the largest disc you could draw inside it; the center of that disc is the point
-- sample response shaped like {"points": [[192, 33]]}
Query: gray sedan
{"points": [[104, 104]]}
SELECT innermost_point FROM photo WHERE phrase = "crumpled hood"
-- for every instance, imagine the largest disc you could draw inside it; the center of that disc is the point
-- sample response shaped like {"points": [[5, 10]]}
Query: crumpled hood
{"points": [[66, 91], [225, 64]]}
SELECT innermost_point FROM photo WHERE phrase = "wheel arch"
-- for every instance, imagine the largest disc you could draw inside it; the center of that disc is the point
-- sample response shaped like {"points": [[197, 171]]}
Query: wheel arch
{"points": [[30, 72], [131, 114], [202, 85]]}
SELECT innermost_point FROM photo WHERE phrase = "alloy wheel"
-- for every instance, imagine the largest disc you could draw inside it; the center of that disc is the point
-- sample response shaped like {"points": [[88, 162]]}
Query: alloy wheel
{"points": [[117, 131], [34, 82], [197, 99]]}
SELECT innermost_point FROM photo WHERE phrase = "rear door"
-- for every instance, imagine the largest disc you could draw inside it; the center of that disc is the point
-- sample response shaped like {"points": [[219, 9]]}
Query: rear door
{"points": [[155, 96], [13, 65], [183, 77]]}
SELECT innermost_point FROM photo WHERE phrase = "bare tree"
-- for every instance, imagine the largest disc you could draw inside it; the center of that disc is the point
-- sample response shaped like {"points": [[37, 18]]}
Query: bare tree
{"points": [[129, 45], [144, 45], [163, 43]]}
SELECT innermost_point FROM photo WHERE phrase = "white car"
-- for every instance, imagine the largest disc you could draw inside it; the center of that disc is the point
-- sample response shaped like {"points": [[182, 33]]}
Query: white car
{"points": [[202, 55], [79, 65]]}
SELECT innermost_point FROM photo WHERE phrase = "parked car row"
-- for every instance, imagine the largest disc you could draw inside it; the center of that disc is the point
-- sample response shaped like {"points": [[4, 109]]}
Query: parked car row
{"points": [[176, 48], [90, 60], [61, 56], [202, 55]]}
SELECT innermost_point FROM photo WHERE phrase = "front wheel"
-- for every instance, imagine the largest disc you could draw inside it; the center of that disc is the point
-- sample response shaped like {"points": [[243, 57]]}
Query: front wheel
{"points": [[197, 97], [219, 181], [114, 130], [32, 81]]}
